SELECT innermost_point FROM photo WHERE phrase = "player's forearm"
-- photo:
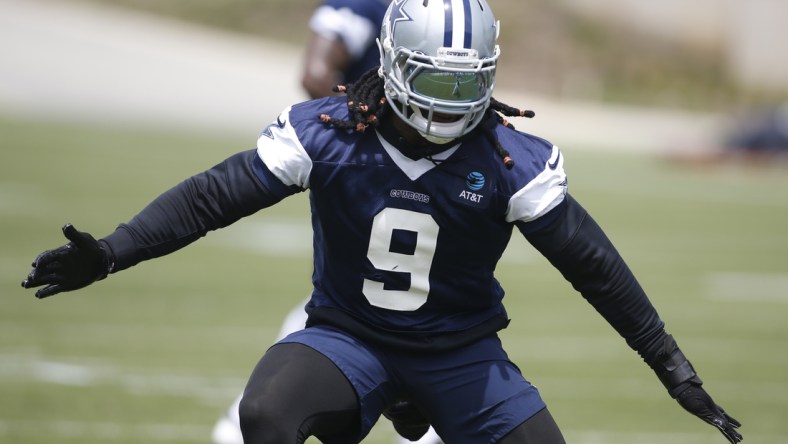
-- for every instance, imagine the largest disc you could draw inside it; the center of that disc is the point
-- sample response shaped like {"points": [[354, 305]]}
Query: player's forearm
{"points": [[580, 250], [204, 202], [584, 255]]}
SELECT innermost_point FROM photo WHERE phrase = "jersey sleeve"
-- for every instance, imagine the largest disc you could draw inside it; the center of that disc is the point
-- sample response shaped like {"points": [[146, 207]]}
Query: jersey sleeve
{"points": [[186, 212], [283, 154], [545, 190]]}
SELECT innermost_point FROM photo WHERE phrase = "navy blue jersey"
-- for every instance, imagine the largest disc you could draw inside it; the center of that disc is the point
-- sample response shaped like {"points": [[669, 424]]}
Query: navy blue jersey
{"points": [[357, 23], [408, 245], [405, 250]]}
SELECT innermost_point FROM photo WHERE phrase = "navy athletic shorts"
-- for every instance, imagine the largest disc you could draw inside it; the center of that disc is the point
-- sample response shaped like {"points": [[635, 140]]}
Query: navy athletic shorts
{"points": [[473, 394]]}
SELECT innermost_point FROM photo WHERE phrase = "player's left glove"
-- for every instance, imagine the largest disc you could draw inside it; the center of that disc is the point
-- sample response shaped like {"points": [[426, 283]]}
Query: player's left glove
{"points": [[695, 400], [408, 420], [684, 385], [77, 264]]}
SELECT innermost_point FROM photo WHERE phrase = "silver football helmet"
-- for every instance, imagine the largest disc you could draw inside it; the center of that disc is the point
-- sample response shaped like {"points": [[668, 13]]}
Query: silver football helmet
{"points": [[438, 60]]}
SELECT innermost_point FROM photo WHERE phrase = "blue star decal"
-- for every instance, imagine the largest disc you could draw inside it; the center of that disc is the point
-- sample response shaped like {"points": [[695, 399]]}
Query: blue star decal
{"points": [[398, 15]]}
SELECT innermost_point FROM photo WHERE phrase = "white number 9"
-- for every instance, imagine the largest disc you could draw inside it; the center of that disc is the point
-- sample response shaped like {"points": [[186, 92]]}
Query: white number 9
{"points": [[417, 264]]}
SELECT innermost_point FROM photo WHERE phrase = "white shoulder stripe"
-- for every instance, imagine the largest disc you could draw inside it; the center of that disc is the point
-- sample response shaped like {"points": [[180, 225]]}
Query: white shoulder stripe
{"points": [[542, 194], [281, 151]]}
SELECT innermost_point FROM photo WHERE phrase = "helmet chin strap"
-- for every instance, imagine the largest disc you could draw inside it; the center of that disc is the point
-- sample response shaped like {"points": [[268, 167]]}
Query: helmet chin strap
{"points": [[439, 140], [422, 124]]}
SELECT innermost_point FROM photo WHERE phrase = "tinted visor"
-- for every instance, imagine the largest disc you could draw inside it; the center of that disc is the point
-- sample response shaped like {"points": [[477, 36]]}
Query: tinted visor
{"points": [[449, 86]]}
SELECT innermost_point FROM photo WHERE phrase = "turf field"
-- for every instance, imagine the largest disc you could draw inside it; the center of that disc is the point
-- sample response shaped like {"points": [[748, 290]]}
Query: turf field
{"points": [[155, 354]]}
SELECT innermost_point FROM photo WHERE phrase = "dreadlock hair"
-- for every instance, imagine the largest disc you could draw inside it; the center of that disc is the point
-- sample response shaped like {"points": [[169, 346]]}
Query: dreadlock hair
{"points": [[367, 105], [366, 102]]}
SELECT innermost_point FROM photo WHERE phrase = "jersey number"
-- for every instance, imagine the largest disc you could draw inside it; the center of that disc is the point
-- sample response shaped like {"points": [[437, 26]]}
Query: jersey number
{"points": [[415, 258]]}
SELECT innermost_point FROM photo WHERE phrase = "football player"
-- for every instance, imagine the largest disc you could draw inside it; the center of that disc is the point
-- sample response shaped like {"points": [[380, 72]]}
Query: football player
{"points": [[341, 47], [416, 184]]}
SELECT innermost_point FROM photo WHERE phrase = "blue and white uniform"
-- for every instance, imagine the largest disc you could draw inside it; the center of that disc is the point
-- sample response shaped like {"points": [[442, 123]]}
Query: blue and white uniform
{"points": [[402, 245], [405, 299], [405, 254]]}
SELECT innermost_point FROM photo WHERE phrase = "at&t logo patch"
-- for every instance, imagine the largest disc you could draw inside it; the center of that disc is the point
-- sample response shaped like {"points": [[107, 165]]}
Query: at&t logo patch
{"points": [[475, 181]]}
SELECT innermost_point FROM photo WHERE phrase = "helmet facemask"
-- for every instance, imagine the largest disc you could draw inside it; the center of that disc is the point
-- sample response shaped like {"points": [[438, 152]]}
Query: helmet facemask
{"points": [[440, 91]]}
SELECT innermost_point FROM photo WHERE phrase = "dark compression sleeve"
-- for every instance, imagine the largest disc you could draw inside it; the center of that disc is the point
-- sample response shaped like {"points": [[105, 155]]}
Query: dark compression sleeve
{"points": [[207, 201], [584, 255]]}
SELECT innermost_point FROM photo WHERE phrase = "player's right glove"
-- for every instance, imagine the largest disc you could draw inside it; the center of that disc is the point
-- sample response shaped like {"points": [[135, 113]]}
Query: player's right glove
{"points": [[684, 385], [77, 264], [408, 420]]}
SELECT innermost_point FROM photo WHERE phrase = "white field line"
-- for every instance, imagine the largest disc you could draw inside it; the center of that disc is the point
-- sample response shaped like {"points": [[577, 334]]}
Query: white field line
{"points": [[710, 436], [27, 367], [106, 431], [165, 432], [746, 287]]}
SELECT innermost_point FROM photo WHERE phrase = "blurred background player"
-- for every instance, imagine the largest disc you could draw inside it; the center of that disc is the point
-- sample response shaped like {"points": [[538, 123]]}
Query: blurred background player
{"points": [[342, 46], [753, 137]]}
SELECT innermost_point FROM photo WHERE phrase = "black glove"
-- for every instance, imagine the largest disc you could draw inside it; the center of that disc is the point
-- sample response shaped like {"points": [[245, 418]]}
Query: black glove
{"points": [[408, 420], [696, 401], [683, 384], [77, 264]]}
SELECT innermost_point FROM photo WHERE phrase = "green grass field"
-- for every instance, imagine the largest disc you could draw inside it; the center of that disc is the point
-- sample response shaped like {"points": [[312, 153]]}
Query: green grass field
{"points": [[157, 353]]}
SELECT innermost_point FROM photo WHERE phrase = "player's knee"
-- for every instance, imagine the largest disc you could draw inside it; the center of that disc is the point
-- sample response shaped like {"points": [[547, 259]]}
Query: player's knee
{"points": [[263, 424], [540, 428]]}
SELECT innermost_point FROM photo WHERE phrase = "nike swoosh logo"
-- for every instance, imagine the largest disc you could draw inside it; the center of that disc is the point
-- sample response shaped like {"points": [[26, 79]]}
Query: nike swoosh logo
{"points": [[279, 123], [554, 165]]}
